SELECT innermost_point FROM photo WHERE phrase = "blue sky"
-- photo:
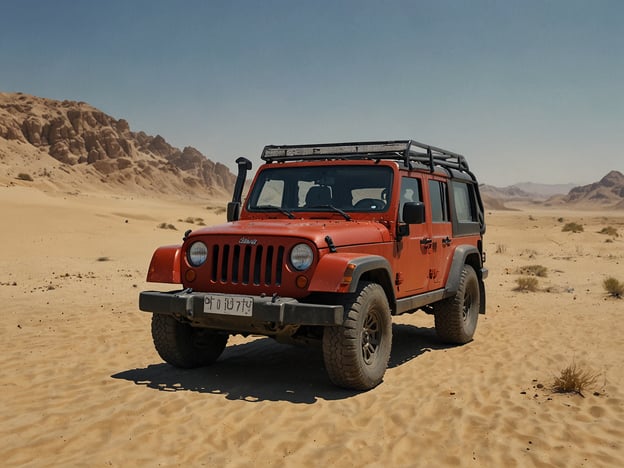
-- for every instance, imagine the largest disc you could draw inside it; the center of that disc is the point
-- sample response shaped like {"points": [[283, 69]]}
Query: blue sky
{"points": [[527, 90]]}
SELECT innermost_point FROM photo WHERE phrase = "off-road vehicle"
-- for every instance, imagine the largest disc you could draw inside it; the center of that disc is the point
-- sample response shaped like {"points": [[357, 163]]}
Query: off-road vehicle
{"points": [[331, 241]]}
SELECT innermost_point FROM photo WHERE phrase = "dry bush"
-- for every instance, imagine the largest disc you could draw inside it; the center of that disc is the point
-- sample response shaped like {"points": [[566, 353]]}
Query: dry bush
{"points": [[24, 176], [534, 270], [501, 248], [574, 379], [103, 259], [529, 253], [613, 287], [609, 231], [167, 226], [527, 283], [572, 227], [220, 210], [192, 220]]}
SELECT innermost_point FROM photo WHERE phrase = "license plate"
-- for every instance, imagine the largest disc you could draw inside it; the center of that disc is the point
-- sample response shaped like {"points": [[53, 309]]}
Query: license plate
{"points": [[228, 305]]}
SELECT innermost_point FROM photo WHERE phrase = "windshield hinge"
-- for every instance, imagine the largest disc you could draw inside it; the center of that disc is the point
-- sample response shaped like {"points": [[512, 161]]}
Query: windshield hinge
{"points": [[330, 244]]}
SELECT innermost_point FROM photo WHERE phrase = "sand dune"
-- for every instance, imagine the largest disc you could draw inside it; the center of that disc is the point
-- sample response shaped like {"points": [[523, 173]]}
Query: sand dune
{"points": [[82, 384]]}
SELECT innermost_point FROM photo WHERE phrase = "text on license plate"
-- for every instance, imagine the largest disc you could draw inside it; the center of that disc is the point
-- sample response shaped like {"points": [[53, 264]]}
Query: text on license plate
{"points": [[228, 305]]}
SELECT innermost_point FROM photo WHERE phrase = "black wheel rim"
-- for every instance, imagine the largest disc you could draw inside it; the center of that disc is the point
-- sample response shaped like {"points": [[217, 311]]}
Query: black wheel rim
{"points": [[371, 338]]}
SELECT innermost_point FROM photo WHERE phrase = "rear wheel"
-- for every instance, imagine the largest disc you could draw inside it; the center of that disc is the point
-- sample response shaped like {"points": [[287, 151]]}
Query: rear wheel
{"points": [[356, 353], [456, 317], [184, 346]]}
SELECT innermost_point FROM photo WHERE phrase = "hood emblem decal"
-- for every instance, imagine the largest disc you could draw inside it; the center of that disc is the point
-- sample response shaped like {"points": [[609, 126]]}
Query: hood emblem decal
{"points": [[246, 241]]}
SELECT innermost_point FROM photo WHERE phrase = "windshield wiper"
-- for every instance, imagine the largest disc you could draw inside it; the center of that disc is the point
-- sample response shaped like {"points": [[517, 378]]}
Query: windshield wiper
{"points": [[337, 210], [272, 207]]}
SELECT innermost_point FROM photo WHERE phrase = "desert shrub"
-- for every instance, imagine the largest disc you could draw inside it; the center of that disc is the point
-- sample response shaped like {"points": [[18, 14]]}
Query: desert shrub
{"points": [[24, 176], [167, 226], [572, 227], [574, 379], [501, 248], [526, 283], [613, 287], [103, 259], [192, 220], [220, 210], [609, 231], [534, 270], [560, 220], [529, 253]]}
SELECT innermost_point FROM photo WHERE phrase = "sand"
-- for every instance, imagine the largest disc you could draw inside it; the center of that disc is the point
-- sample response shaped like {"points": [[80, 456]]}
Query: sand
{"points": [[81, 384]]}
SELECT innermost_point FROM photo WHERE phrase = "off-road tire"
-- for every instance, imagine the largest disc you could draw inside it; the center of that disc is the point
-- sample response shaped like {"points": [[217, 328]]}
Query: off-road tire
{"points": [[456, 317], [184, 346], [356, 353]]}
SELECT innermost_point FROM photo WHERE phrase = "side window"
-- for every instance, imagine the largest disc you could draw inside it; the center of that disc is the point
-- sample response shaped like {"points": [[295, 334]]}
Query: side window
{"points": [[411, 191], [439, 202], [464, 203]]}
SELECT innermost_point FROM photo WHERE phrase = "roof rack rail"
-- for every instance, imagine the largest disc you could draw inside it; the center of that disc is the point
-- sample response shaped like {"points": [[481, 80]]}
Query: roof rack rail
{"points": [[408, 151]]}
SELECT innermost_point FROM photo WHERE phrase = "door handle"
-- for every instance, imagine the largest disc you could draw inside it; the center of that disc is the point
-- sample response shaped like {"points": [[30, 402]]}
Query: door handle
{"points": [[426, 242]]}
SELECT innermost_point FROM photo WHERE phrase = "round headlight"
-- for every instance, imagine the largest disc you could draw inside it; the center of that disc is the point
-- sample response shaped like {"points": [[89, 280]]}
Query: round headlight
{"points": [[197, 254], [301, 257]]}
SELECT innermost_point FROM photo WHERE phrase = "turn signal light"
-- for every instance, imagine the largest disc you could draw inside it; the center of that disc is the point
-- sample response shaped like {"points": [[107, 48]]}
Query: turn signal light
{"points": [[190, 276], [301, 281], [347, 278]]}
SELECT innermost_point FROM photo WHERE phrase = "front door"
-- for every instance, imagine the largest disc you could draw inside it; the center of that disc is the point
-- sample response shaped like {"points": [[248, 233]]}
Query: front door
{"points": [[413, 258]]}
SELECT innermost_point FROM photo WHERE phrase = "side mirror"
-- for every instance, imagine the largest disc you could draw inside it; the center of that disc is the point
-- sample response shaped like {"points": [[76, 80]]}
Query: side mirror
{"points": [[414, 213], [233, 211]]}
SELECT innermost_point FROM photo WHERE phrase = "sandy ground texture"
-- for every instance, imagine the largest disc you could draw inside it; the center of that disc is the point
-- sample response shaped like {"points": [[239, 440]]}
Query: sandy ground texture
{"points": [[81, 384]]}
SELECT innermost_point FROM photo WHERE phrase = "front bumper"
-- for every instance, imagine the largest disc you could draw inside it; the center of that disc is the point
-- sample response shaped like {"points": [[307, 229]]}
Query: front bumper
{"points": [[189, 305]]}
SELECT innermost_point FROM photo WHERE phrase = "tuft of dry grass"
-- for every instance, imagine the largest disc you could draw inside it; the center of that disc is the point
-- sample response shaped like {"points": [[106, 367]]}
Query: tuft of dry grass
{"points": [[574, 379], [613, 287], [527, 283], [501, 248], [191, 220], [24, 176], [167, 226], [609, 231], [572, 227], [103, 259], [534, 270]]}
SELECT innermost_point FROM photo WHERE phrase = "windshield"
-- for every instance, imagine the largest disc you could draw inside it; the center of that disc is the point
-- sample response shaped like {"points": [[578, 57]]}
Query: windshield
{"points": [[318, 188]]}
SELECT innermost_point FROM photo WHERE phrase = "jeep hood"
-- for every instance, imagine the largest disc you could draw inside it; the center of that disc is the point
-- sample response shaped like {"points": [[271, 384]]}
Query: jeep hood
{"points": [[342, 233]]}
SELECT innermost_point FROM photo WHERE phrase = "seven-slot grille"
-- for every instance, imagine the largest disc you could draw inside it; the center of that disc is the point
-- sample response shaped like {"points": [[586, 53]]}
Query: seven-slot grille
{"points": [[246, 264]]}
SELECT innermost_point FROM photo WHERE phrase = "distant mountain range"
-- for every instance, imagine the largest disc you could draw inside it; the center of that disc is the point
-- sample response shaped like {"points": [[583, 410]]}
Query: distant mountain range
{"points": [[71, 145], [606, 193], [68, 144]]}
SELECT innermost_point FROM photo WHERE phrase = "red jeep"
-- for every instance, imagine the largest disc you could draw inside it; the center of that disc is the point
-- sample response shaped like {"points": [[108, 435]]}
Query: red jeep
{"points": [[330, 243]]}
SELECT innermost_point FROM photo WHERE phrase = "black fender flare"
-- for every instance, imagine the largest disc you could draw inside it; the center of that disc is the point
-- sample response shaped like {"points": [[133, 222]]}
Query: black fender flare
{"points": [[466, 255], [341, 273]]}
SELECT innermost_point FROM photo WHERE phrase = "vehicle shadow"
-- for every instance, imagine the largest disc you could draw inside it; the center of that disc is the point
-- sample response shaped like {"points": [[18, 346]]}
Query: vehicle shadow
{"points": [[264, 370]]}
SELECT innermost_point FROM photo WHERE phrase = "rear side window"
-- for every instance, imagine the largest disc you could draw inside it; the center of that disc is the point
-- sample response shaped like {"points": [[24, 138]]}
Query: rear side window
{"points": [[464, 203], [439, 202]]}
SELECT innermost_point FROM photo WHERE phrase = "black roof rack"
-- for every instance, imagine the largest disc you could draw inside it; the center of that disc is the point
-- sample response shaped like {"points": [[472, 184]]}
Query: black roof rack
{"points": [[408, 151]]}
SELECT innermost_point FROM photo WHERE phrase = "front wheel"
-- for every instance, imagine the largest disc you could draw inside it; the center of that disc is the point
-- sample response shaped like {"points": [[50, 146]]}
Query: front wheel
{"points": [[456, 317], [356, 353], [184, 346]]}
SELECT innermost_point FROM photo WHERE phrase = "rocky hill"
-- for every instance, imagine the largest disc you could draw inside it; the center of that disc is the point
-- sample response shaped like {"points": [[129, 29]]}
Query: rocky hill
{"points": [[608, 192], [67, 144]]}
